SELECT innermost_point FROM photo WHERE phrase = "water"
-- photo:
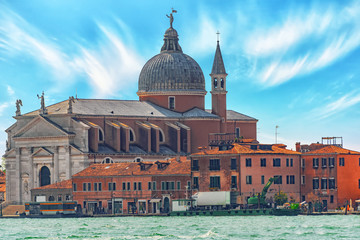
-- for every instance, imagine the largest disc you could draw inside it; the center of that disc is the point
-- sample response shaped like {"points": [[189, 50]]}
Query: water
{"points": [[234, 227]]}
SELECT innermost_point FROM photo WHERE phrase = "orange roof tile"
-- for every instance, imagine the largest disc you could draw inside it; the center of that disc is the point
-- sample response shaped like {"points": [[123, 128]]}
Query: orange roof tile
{"points": [[332, 149], [133, 168], [245, 149], [66, 184]]}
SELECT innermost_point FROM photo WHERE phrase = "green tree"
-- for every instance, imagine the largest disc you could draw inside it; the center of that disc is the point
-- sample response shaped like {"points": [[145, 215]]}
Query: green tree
{"points": [[281, 198]]}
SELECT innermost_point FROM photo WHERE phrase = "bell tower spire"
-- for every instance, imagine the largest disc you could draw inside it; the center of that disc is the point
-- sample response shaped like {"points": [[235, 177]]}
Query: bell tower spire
{"points": [[218, 87]]}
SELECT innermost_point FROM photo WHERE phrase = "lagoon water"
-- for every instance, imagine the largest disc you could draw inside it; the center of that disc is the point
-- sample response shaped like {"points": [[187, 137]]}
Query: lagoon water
{"points": [[234, 227]]}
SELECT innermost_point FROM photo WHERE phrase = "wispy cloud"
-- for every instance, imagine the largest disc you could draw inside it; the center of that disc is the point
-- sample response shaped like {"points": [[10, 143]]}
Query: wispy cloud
{"points": [[339, 105], [111, 67], [304, 43]]}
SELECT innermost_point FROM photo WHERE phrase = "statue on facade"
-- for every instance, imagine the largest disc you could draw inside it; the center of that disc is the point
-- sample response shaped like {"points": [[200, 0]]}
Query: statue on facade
{"points": [[18, 105], [42, 104], [171, 17], [71, 101]]}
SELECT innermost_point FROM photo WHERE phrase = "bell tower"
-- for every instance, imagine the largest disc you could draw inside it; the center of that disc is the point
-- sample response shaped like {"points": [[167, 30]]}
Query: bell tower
{"points": [[218, 87]]}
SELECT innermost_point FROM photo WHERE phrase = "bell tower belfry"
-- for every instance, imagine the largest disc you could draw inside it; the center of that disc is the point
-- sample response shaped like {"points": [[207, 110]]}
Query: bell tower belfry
{"points": [[218, 87]]}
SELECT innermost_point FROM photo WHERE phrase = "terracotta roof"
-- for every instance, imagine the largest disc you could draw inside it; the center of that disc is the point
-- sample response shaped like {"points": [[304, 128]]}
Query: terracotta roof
{"points": [[332, 149], [245, 149], [133, 168], [66, 184]]}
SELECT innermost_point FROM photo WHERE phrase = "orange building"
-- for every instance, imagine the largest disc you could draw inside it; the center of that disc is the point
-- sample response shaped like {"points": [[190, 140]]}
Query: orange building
{"points": [[132, 188], [245, 168], [330, 175]]}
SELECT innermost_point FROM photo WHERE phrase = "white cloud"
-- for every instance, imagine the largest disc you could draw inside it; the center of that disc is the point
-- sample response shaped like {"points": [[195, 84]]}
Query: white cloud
{"points": [[111, 67], [3, 106], [10, 91], [337, 106]]}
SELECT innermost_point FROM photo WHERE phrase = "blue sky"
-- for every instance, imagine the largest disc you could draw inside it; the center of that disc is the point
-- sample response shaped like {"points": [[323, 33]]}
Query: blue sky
{"points": [[295, 64]]}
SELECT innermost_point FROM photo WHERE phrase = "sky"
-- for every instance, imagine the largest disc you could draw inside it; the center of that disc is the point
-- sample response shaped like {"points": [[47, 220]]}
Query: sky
{"points": [[291, 64]]}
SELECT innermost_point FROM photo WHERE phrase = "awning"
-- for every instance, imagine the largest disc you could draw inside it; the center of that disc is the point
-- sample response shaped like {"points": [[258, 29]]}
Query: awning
{"points": [[357, 200], [155, 200]]}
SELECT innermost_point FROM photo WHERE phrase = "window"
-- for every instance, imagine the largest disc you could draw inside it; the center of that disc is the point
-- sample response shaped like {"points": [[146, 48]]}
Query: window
{"points": [[324, 183], [124, 186], [323, 162], [74, 187], [67, 197], [315, 183], [303, 163], [188, 184], [248, 162], [89, 186], [149, 185], [303, 198], [100, 186], [278, 179], [262, 179], [195, 165], [215, 182], [195, 182], [107, 160], [303, 179], [222, 83], [233, 182], [331, 183], [171, 185], [112, 186], [214, 164], [154, 186], [359, 183], [163, 186], [315, 162], [101, 135], [262, 162], [84, 187], [237, 132], [128, 186], [287, 162], [172, 103], [135, 186], [131, 135], [95, 187], [215, 82], [291, 162], [276, 162], [331, 198], [341, 162], [139, 186], [178, 183], [331, 162], [233, 164], [248, 179], [290, 179], [161, 136], [59, 198]]}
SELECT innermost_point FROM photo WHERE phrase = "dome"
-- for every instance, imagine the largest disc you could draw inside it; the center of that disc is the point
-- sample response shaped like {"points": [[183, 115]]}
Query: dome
{"points": [[171, 70]]}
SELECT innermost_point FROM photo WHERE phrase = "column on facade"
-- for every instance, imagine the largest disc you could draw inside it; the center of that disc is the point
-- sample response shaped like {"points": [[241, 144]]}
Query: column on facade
{"points": [[18, 175], [67, 161], [56, 164]]}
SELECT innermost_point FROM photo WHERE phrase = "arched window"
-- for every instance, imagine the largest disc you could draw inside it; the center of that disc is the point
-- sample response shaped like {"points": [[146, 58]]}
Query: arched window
{"points": [[215, 82], [222, 83], [44, 176], [132, 136], [107, 160], [161, 136], [51, 198], [101, 135], [138, 159]]}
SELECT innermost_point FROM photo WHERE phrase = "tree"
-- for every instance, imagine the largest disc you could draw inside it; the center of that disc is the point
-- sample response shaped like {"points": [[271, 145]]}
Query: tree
{"points": [[280, 198]]}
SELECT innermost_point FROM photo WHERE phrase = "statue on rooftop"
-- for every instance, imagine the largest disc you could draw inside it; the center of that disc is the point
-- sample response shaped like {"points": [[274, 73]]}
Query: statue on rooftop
{"points": [[18, 105], [71, 101], [42, 104], [171, 17]]}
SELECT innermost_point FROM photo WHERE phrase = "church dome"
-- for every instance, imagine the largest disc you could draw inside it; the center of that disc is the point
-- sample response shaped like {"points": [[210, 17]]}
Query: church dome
{"points": [[171, 70]]}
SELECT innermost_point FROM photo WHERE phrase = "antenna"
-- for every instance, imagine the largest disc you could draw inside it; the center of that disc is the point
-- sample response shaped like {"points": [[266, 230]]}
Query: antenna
{"points": [[276, 133]]}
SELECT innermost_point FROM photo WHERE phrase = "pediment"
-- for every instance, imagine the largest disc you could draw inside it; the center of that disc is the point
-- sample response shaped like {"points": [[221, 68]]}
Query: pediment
{"points": [[40, 127], [10, 154], [75, 150], [42, 152]]}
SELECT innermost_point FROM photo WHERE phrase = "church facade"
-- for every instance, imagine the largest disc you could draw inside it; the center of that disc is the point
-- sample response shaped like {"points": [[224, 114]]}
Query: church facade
{"points": [[169, 119]]}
